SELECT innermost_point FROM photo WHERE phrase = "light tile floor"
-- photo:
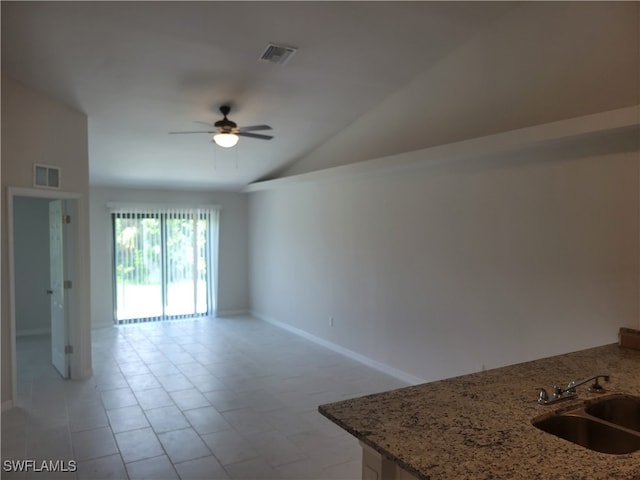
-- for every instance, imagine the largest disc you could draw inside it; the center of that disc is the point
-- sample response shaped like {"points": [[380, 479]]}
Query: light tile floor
{"points": [[224, 398]]}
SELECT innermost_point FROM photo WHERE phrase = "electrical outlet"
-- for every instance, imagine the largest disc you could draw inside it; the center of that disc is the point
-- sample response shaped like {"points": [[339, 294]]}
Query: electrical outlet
{"points": [[331, 321]]}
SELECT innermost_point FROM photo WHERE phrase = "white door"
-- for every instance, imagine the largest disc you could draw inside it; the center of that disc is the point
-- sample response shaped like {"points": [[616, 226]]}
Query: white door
{"points": [[57, 288]]}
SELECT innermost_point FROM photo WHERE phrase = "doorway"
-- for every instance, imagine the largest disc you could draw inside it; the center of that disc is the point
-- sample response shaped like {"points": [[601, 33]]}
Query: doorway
{"points": [[30, 282]]}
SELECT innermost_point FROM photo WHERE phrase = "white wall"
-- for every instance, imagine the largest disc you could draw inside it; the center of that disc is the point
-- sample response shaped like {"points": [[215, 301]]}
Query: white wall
{"points": [[233, 283], [31, 253], [37, 129], [441, 271], [444, 270]]}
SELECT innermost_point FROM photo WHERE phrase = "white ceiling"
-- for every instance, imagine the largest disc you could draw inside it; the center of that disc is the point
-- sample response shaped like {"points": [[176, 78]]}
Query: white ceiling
{"points": [[141, 69]]}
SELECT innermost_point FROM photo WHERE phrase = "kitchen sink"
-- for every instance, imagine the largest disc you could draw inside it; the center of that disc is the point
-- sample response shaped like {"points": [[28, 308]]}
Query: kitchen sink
{"points": [[591, 434], [622, 410], [608, 425]]}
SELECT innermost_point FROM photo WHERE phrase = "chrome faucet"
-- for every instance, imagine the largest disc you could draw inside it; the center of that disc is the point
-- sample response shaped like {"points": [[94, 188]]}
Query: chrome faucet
{"points": [[595, 388], [560, 393]]}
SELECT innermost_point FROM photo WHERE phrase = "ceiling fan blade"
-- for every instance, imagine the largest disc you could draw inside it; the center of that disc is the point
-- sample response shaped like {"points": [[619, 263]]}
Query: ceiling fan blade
{"points": [[253, 128], [199, 131], [254, 135]]}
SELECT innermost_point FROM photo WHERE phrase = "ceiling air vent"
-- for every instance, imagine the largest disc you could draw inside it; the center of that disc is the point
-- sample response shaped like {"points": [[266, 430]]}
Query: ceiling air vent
{"points": [[279, 54]]}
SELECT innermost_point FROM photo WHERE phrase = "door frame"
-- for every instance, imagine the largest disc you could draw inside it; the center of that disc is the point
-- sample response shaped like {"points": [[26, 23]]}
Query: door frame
{"points": [[72, 325]]}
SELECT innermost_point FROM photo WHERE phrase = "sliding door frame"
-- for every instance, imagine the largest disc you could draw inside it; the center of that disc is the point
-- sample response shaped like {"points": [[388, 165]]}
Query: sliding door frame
{"points": [[211, 264]]}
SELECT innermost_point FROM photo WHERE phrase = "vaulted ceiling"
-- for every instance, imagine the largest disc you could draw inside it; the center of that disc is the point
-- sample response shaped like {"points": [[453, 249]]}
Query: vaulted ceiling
{"points": [[368, 79], [142, 69]]}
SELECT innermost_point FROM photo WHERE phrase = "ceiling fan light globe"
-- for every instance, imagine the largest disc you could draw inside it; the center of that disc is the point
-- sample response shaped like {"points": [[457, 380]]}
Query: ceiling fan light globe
{"points": [[225, 140]]}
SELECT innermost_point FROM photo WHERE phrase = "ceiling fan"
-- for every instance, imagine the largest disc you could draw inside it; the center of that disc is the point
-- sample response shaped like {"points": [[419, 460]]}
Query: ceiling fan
{"points": [[227, 132]]}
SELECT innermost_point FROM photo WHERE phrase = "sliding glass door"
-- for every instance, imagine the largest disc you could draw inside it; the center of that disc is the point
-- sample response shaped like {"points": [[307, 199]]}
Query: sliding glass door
{"points": [[138, 266], [164, 263], [186, 254]]}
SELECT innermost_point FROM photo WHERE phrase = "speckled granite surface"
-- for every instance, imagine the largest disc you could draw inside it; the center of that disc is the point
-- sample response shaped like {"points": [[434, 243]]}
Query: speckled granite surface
{"points": [[478, 426]]}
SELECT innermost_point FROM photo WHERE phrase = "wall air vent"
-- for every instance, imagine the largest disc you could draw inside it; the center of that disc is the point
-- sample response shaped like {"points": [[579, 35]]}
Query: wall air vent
{"points": [[279, 54], [46, 176]]}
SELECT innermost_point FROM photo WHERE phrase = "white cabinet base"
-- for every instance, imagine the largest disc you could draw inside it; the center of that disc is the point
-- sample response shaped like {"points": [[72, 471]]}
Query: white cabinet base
{"points": [[377, 467]]}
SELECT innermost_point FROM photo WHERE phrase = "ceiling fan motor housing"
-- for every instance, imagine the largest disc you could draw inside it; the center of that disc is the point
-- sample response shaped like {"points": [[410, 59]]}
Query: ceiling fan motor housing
{"points": [[225, 125]]}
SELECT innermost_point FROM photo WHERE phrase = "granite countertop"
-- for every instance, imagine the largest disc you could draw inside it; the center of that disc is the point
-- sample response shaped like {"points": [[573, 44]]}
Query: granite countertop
{"points": [[478, 426]]}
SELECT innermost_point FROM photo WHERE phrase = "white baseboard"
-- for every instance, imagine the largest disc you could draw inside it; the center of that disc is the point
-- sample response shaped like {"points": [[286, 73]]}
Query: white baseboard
{"points": [[6, 405], [394, 372], [232, 313], [33, 331]]}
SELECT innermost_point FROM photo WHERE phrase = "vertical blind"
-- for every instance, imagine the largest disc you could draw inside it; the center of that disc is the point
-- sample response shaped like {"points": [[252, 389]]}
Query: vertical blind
{"points": [[165, 261]]}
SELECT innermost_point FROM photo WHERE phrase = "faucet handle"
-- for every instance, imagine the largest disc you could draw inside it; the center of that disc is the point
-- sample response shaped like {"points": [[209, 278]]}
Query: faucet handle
{"points": [[543, 397]]}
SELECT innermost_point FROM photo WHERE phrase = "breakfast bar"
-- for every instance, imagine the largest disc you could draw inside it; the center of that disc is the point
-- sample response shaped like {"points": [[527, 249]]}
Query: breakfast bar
{"points": [[479, 426]]}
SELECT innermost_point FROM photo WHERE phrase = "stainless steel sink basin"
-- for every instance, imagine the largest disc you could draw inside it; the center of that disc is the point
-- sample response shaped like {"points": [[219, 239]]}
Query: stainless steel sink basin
{"points": [[622, 410], [591, 434], [609, 425]]}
